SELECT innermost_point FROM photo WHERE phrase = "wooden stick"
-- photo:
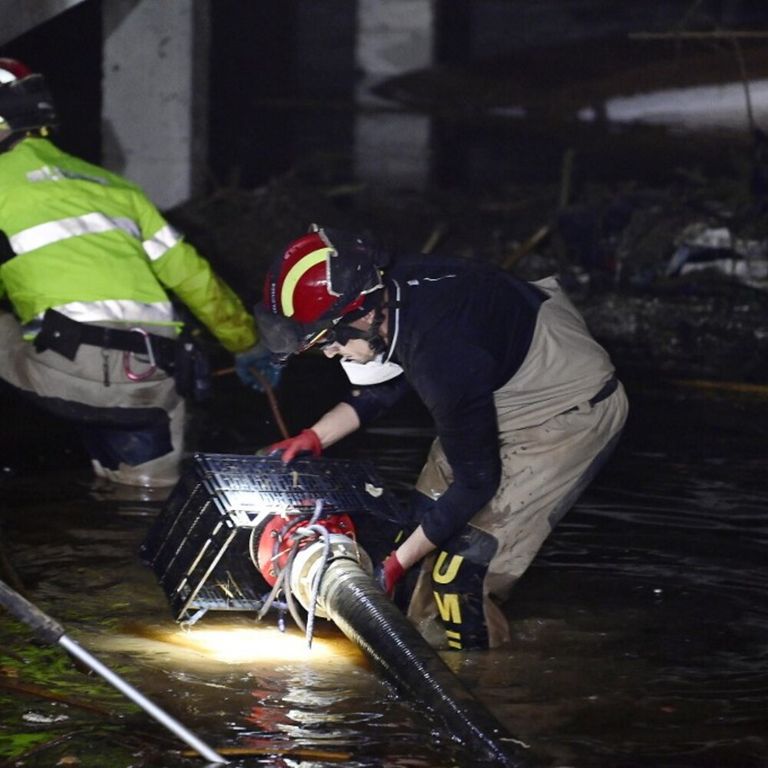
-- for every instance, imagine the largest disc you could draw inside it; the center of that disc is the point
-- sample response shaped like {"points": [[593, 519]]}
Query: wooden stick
{"points": [[28, 689], [729, 386], [437, 235], [527, 246], [268, 391], [566, 176], [307, 754]]}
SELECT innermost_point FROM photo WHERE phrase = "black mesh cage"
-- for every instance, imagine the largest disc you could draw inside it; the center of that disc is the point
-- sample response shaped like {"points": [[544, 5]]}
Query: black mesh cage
{"points": [[199, 545]]}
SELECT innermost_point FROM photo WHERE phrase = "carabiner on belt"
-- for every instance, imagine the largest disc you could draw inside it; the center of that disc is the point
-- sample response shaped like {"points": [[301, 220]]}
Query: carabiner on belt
{"points": [[150, 355]]}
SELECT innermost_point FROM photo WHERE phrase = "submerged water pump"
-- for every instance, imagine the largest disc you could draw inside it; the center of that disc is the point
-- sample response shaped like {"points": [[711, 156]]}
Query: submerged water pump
{"points": [[227, 530], [293, 556]]}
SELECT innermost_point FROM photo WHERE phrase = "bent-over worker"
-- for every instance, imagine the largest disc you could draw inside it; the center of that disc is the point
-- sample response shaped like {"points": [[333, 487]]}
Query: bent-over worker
{"points": [[526, 406]]}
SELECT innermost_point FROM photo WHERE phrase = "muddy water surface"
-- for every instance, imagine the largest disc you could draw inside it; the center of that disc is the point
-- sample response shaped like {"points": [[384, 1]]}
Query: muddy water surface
{"points": [[640, 634]]}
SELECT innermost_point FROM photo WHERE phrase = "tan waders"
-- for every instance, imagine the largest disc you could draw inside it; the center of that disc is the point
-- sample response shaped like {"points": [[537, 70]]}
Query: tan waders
{"points": [[559, 419]]}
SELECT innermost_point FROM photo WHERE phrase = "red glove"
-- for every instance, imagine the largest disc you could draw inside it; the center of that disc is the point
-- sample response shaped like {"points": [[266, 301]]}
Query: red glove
{"points": [[306, 441], [389, 573]]}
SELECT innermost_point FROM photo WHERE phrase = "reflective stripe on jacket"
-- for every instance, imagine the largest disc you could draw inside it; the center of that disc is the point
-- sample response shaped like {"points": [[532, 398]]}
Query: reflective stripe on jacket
{"points": [[89, 243]]}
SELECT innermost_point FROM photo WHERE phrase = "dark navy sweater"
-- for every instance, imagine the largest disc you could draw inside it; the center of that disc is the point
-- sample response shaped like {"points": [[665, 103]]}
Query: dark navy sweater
{"points": [[460, 330]]}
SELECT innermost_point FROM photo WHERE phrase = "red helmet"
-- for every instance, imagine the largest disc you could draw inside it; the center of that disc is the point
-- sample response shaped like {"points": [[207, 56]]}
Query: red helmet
{"points": [[322, 278], [25, 102]]}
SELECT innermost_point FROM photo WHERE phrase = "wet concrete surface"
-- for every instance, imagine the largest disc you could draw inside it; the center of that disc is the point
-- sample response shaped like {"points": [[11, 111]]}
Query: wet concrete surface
{"points": [[638, 634]]}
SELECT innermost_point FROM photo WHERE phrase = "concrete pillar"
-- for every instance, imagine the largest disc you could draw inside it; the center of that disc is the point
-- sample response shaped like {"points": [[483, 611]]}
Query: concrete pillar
{"points": [[391, 144], [155, 70]]}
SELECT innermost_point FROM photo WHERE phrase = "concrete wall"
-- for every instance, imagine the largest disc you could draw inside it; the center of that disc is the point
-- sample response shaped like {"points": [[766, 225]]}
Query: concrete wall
{"points": [[155, 69]]}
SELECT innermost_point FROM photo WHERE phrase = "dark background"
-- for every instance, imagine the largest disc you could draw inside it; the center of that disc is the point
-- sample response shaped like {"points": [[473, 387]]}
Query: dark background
{"points": [[283, 72]]}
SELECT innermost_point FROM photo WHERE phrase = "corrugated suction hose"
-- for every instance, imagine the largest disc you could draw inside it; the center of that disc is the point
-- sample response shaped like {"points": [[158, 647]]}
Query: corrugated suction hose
{"points": [[353, 601]]}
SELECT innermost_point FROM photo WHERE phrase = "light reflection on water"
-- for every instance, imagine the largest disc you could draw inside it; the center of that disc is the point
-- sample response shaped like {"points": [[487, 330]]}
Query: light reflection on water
{"points": [[640, 634]]}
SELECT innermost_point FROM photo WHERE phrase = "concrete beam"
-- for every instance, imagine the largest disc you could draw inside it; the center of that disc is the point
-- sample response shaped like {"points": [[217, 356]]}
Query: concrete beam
{"points": [[19, 16]]}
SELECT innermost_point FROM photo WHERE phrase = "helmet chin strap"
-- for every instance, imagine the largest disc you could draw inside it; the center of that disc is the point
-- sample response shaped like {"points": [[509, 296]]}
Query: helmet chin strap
{"points": [[371, 334], [374, 338]]}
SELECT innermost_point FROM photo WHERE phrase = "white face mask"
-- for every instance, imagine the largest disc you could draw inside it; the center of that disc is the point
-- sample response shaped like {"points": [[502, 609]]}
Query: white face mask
{"points": [[374, 372]]}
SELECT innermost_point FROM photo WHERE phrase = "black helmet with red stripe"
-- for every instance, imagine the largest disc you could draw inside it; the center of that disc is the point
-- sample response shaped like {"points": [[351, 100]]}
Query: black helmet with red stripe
{"points": [[25, 102], [322, 280]]}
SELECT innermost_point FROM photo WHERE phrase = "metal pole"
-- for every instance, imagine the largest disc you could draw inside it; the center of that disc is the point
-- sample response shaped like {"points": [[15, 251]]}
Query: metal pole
{"points": [[139, 698], [52, 632]]}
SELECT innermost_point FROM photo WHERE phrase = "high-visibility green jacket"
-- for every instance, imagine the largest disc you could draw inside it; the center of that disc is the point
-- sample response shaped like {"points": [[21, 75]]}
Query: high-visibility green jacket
{"points": [[90, 244]]}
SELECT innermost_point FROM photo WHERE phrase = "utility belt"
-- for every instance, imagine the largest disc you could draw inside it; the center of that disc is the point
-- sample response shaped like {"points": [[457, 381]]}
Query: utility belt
{"points": [[603, 393], [182, 357]]}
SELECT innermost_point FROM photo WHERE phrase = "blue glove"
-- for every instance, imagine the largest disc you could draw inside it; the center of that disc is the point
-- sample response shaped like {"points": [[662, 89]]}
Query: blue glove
{"points": [[255, 360]]}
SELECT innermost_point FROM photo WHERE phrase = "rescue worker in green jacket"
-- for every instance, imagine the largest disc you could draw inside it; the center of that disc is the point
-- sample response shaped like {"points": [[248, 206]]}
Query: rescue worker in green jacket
{"points": [[86, 261]]}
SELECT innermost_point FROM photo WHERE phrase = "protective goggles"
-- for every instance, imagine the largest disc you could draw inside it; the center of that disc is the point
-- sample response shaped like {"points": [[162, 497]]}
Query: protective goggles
{"points": [[284, 337], [337, 334]]}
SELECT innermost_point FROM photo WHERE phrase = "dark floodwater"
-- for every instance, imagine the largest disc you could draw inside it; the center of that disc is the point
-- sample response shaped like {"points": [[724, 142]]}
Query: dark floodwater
{"points": [[640, 634]]}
